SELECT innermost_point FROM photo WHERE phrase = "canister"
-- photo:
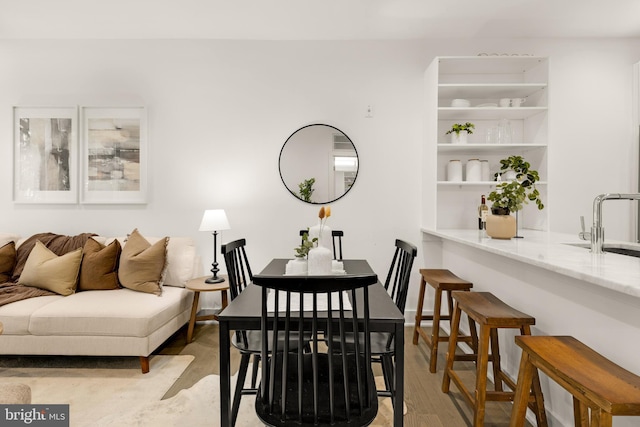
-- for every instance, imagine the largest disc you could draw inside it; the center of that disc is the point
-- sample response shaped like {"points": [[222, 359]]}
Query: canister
{"points": [[454, 170], [474, 172]]}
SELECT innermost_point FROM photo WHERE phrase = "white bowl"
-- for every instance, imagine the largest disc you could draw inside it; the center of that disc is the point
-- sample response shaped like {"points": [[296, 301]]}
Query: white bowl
{"points": [[460, 103]]}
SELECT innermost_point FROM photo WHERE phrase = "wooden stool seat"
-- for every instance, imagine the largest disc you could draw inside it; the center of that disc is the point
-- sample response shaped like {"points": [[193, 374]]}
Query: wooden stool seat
{"points": [[595, 382], [490, 314], [441, 280]]}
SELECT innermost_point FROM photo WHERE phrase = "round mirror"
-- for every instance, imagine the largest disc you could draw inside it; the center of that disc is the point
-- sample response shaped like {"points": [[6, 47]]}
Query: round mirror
{"points": [[318, 164]]}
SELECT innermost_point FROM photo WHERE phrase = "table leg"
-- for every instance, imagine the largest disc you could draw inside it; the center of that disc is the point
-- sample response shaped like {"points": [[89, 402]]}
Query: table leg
{"points": [[225, 376], [192, 319], [398, 404]]}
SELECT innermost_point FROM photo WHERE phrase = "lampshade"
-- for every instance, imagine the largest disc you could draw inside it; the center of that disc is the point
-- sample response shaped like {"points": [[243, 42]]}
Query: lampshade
{"points": [[214, 220]]}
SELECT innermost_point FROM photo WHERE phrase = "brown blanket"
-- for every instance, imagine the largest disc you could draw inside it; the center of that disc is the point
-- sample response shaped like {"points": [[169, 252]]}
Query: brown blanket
{"points": [[58, 244]]}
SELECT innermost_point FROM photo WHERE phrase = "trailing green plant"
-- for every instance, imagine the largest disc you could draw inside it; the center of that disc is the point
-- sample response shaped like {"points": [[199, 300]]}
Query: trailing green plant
{"points": [[303, 250], [306, 189], [458, 127], [513, 195]]}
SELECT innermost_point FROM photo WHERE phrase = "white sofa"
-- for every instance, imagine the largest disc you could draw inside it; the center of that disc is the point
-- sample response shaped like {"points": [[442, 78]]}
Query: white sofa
{"points": [[119, 322]]}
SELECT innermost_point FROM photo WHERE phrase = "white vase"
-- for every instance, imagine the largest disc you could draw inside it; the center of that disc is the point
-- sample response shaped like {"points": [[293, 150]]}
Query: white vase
{"points": [[324, 238], [297, 267], [459, 138], [319, 261]]}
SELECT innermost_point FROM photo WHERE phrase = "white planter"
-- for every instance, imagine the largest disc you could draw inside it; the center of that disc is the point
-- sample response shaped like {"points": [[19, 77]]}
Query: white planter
{"points": [[459, 138]]}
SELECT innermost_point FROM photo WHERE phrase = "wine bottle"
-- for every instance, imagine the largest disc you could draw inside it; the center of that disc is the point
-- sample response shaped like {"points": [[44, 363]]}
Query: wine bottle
{"points": [[483, 211]]}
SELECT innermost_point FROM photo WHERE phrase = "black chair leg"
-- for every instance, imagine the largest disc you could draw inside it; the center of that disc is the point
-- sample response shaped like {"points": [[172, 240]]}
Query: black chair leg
{"points": [[387, 371], [254, 370], [242, 375]]}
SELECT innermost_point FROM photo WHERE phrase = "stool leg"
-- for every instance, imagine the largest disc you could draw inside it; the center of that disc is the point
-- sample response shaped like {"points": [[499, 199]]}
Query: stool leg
{"points": [[435, 331], [600, 418], [451, 351], [495, 360], [536, 388], [481, 376], [580, 413], [521, 396], [416, 334]]}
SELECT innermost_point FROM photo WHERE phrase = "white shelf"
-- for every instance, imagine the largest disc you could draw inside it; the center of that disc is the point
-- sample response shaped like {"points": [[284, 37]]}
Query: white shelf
{"points": [[482, 80], [476, 183], [489, 113], [488, 90], [488, 64], [497, 148]]}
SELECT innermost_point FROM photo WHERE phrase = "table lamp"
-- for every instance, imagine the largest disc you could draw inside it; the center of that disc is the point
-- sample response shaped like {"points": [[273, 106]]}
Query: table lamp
{"points": [[214, 220]]}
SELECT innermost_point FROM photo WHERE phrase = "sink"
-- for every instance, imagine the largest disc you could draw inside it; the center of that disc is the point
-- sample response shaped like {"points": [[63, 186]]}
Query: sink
{"points": [[619, 249]]}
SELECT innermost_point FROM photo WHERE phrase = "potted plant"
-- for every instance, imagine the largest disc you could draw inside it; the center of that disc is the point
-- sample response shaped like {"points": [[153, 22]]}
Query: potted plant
{"points": [[511, 196], [459, 132]]}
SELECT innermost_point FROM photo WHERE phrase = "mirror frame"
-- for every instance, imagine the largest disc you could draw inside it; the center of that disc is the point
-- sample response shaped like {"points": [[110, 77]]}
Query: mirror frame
{"points": [[293, 191]]}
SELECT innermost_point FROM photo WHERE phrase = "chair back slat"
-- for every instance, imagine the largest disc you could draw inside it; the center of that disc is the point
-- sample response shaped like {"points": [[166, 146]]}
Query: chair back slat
{"points": [[330, 383], [397, 281], [238, 268]]}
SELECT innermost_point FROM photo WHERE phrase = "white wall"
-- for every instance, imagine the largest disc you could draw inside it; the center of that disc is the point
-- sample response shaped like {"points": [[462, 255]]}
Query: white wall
{"points": [[219, 112]]}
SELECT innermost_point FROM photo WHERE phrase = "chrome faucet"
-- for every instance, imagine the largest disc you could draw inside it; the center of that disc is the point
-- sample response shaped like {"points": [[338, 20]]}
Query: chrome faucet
{"points": [[597, 231]]}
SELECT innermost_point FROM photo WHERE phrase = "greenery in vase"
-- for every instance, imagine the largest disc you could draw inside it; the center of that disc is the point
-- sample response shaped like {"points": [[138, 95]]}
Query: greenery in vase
{"points": [[513, 195], [303, 250], [306, 189], [458, 127]]}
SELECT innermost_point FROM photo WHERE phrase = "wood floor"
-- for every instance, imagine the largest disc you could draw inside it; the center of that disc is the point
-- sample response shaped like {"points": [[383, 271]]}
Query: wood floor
{"points": [[427, 405]]}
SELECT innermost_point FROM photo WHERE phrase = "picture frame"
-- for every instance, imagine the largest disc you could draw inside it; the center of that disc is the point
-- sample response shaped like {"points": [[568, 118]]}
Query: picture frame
{"points": [[114, 155], [45, 154]]}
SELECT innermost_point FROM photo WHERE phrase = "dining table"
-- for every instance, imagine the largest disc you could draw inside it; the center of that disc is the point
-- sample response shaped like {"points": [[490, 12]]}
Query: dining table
{"points": [[244, 313]]}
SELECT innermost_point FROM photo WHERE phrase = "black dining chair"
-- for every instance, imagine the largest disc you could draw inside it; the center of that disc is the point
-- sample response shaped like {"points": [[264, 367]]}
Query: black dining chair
{"points": [[334, 383], [337, 242], [397, 286], [247, 342]]}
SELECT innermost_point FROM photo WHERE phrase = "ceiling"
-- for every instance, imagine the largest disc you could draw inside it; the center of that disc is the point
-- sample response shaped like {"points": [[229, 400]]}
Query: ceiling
{"points": [[317, 19]]}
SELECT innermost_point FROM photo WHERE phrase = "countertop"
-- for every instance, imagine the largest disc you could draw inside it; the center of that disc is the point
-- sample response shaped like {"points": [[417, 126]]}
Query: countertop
{"points": [[549, 250]]}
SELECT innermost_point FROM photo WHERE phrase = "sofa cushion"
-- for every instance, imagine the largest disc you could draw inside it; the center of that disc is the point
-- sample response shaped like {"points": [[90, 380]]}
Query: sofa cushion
{"points": [[57, 243], [99, 269], [142, 264], [118, 312], [15, 317], [182, 259], [8, 237], [46, 270], [7, 261]]}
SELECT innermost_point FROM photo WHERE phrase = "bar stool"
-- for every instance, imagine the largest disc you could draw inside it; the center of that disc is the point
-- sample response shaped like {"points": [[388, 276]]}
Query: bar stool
{"points": [[490, 314], [597, 384], [440, 280]]}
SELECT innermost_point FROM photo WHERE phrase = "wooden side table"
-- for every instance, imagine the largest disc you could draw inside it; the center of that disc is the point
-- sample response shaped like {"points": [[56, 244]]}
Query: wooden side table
{"points": [[198, 285]]}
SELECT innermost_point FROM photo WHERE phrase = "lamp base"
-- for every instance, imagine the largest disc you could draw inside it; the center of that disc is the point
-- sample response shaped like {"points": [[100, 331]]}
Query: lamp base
{"points": [[214, 279]]}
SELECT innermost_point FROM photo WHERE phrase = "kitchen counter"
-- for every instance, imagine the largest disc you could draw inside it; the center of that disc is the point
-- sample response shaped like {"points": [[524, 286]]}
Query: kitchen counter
{"points": [[550, 251], [567, 289]]}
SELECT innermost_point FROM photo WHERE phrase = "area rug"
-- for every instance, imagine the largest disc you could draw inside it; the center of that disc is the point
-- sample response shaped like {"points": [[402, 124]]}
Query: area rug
{"points": [[199, 406], [94, 388]]}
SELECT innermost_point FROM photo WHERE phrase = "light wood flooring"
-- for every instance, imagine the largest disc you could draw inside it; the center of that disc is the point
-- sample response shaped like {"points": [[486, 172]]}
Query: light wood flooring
{"points": [[427, 405]]}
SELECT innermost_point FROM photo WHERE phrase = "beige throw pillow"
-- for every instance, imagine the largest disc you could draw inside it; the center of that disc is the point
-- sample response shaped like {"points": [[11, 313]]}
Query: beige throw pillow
{"points": [[142, 264], [99, 269], [46, 270]]}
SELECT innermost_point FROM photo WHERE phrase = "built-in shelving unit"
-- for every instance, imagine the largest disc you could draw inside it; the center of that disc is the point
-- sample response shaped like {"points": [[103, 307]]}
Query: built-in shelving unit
{"points": [[483, 81]]}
